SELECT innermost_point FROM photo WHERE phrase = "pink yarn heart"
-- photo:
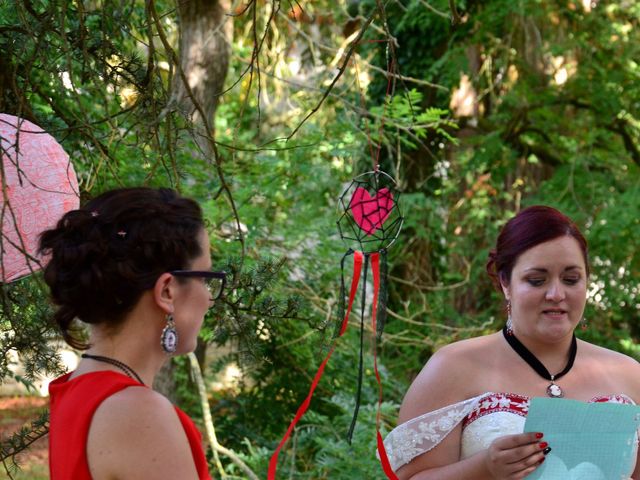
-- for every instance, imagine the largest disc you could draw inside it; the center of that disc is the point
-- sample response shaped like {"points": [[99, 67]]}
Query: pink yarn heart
{"points": [[41, 186], [370, 213]]}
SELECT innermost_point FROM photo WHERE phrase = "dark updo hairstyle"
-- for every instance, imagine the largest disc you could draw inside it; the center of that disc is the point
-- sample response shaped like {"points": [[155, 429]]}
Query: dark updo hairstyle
{"points": [[531, 227], [105, 255]]}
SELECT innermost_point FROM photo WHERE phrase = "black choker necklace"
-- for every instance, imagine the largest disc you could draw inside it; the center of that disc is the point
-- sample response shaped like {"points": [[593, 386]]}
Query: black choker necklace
{"points": [[553, 390], [130, 372]]}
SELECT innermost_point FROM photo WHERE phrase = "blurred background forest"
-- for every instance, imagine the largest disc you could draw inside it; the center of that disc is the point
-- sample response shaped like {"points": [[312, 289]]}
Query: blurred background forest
{"points": [[264, 111]]}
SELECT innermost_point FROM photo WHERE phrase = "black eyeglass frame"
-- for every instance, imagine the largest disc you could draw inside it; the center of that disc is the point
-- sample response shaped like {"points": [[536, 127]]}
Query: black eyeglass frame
{"points": [[202, 274]]}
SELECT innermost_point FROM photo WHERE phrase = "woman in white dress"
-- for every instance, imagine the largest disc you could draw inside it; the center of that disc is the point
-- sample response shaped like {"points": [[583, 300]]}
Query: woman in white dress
{"points": [[463, 416]]}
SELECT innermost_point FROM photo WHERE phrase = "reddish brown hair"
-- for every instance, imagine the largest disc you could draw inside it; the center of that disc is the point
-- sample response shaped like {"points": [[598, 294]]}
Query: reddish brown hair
{"points": [[531, 227]]}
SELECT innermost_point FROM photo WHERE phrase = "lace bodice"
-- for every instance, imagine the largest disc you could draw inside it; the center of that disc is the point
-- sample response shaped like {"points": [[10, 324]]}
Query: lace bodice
{"points": [[484, 418], [495, 415]]}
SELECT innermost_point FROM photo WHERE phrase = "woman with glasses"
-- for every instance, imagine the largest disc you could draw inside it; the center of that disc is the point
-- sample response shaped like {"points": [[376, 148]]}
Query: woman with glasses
{"points": [[134, 265]]}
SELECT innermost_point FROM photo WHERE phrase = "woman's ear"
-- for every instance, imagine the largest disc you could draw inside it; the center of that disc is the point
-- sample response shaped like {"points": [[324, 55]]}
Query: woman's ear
{"points": [[505, 288], [164, 292]]}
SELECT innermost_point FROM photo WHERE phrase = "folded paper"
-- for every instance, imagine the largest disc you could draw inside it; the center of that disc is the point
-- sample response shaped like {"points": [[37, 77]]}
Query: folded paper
{"points": [[589, 441]]}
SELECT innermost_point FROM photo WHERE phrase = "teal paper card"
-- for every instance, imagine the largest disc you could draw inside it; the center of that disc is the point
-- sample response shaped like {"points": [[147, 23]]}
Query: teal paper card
{"points": [[589, 441]]}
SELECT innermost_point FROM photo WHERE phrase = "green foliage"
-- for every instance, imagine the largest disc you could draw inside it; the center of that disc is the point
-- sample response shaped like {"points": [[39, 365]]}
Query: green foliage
{"points": [[337, 458], [319, 449], [25, 329], [552, 96], [403, 117], [21, 440]]}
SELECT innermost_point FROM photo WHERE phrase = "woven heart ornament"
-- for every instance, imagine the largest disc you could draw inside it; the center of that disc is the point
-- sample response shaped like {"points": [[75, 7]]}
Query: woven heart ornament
{"points": [[369, 225], [370, 213], [39, 185]]}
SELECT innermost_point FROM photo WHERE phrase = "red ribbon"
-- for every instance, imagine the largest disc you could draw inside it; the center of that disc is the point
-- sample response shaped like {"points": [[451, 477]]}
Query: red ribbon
{"points": [[384, 460], [358, 258]]}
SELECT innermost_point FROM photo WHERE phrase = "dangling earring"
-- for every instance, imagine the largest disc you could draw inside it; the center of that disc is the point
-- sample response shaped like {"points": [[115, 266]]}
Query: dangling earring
{"points": [[169, 337], [583, 324], [509, 321]]}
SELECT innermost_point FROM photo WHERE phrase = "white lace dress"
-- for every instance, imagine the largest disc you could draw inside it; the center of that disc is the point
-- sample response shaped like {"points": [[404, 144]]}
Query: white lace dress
{"points": [[484, 418]]}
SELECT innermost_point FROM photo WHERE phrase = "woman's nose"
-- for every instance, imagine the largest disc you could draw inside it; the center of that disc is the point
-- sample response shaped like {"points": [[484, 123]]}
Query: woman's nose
{"points": [[555, 292]]}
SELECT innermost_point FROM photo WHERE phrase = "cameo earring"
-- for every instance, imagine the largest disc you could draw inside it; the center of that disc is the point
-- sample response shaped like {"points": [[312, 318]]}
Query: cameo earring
{"points": [[169, 337]]}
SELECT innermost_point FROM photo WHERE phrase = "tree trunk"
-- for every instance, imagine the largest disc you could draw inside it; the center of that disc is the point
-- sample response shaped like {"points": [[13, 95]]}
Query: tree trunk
{"points": [[165, 381], [205, 47]]}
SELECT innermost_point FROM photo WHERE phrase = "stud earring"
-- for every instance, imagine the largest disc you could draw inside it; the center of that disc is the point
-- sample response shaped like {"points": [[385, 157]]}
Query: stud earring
{"points": [[169, 337], [509, 321]]}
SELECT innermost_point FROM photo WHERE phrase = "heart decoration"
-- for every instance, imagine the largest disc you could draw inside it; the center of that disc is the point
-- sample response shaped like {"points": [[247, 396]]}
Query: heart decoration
{"points": [[370, 213], [38, 187]]}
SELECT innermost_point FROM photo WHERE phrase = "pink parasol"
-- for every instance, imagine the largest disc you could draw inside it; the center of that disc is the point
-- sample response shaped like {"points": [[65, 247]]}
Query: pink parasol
{"points": [[39, 185]]}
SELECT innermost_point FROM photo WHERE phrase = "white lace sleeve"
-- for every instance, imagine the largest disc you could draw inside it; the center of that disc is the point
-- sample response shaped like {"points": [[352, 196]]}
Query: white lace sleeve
{"points": [[421, 434]]}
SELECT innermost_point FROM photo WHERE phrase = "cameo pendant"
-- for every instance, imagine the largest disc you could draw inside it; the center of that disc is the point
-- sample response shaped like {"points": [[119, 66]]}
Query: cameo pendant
{"points": [[554, 391]]}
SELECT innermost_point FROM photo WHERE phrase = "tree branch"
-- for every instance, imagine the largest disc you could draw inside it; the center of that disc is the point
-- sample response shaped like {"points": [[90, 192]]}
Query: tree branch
{"points": [[205, 120], [433, 9], [362, 61], [619, 126], [341, 71], [208, 422], [455, 16]]}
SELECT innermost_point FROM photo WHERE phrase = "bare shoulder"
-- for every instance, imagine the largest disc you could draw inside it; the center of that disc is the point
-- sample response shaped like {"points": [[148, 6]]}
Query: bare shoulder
{"points": [[616, 365], [451, 375], [610, 358], [136, 433]]}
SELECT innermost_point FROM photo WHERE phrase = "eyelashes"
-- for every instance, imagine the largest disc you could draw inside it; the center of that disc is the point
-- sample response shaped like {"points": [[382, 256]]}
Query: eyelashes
{"points": [[538, 282]]}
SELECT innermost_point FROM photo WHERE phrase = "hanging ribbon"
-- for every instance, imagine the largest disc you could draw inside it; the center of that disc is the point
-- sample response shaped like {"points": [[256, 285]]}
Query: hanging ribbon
{"points": [[375, 269], [356, 409], [273, 463], [358, 259]]}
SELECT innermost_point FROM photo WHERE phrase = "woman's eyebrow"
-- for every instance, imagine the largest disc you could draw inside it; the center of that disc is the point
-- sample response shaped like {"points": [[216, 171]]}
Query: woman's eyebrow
{"points": [[536, 269], [544, 270]]}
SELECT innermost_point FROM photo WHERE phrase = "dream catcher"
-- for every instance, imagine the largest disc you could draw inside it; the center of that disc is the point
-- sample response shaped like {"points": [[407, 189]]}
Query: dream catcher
{"points": [[39, 185], [370, 222]]}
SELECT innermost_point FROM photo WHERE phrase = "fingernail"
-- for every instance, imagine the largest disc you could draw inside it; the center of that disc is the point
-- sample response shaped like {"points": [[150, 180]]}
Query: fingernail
{"points": [[541, 460], [546, 450], [539, 435], [543, 445]]}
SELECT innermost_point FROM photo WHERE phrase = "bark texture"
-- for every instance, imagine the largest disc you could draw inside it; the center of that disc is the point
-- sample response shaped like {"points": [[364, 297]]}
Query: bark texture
{"points": [[205, 47]]}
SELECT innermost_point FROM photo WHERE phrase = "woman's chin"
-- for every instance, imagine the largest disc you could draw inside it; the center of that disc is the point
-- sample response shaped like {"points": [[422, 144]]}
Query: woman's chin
{"points": [[189, 347], [557, 329]]}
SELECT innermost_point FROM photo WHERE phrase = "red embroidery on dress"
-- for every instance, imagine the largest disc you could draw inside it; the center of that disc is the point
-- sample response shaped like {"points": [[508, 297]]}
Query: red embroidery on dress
{"points": [[498, 402], [612, 399], [519, 405]]}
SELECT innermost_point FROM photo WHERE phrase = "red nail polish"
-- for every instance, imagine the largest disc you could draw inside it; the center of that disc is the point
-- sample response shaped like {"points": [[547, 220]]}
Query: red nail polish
{"points": [[543, 458], [539, 435], [543, 445]]}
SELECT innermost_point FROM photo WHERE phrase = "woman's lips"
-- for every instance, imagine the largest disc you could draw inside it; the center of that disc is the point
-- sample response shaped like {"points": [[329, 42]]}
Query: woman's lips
{"points": [[555, 313]]}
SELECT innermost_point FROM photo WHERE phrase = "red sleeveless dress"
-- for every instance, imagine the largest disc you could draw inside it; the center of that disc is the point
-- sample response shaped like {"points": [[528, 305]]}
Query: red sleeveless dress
{"points": [[73, 403]]}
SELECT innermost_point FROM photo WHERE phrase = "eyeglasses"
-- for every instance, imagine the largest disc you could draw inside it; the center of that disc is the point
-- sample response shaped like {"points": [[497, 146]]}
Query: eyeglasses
{"points": [[214, 281]]}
